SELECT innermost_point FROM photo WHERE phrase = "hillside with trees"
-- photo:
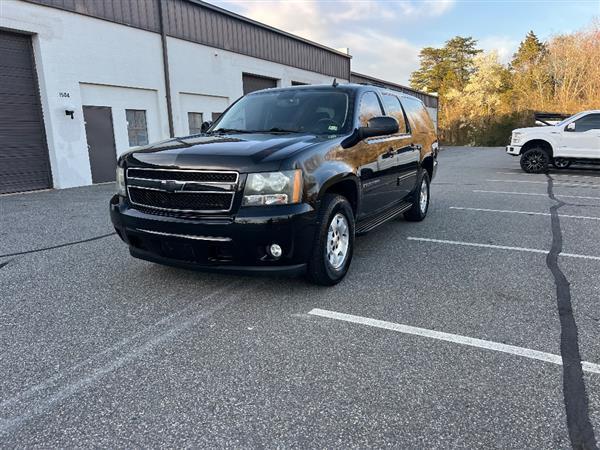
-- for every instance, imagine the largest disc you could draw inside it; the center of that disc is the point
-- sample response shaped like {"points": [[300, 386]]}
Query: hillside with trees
{"points": [[482, 100]]}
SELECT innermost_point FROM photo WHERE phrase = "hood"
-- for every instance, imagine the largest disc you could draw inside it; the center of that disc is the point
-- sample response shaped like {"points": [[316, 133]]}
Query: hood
{"points": [[241, 152], [538, 130]]}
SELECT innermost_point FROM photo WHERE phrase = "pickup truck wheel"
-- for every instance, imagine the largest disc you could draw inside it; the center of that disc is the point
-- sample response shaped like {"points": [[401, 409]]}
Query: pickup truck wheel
{"points": [[419, 209], [334, 243], [535, 160], [561, 163]]}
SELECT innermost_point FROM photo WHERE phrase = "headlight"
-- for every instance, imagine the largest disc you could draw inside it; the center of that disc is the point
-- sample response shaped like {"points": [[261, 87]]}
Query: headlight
{"points": [[516, 138], [121, 182], [273, 188]]}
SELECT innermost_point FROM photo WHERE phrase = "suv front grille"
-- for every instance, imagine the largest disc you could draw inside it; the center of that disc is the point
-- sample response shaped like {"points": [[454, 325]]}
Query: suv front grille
{"points": [[173, 191], [197, 176], [181, 201]]}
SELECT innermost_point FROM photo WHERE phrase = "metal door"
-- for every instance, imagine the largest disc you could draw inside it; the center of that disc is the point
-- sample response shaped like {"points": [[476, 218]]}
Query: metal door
{"points": [[24, 164], [101, 143], [253, 83]]}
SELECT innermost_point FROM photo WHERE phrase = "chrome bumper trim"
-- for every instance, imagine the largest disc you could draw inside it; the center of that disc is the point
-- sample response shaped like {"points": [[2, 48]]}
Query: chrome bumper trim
{"points": [[187, 236]]}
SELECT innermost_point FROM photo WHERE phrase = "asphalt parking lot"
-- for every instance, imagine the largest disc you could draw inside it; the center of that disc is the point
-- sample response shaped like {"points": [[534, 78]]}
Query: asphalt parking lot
{"points": [[472, 310]]}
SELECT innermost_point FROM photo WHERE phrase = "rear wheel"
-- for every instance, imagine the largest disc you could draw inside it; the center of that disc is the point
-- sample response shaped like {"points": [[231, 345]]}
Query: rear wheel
{"points": [[535, 160], [561, 163], [334, 244], [419, 209]]}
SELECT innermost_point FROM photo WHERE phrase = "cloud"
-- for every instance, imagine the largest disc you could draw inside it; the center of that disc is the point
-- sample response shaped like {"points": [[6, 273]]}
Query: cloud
{"points": [[370, 28], [503, 45], [392, 59]]}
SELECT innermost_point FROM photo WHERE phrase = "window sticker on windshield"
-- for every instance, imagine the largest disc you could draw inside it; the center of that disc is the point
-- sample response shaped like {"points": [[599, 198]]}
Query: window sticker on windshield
{"points": [[332, 128]]}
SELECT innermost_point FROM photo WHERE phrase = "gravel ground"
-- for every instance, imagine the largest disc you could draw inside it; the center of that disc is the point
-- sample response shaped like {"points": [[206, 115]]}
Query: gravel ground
{"points": [[99, 349]]}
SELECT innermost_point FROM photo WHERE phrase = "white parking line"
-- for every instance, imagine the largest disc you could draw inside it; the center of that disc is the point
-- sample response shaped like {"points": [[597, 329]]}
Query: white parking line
{"points": [[585, 185], [553, 175], [528, 213], [535, 194], [454, 338], [500, 247]]}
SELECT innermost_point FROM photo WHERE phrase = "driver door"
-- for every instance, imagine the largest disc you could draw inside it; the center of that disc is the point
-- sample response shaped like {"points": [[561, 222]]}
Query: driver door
{"points": [[378, 162], [581, 138]]}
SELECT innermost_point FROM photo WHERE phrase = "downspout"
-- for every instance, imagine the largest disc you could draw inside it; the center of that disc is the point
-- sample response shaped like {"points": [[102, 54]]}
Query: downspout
{"points": [[165, 55]]}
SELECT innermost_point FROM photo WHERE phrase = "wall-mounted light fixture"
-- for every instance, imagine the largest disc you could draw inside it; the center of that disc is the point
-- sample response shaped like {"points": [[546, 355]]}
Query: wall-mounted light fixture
{"points": [[69, 112]]}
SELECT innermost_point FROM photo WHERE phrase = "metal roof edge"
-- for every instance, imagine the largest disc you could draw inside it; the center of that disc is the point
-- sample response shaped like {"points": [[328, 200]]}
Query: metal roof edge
{"points": [[379, 80]]}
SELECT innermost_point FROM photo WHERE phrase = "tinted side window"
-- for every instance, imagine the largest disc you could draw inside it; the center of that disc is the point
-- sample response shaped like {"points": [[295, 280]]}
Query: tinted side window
{"points": [[369, 108], [417, 114], [393, 108], [589, 122]]}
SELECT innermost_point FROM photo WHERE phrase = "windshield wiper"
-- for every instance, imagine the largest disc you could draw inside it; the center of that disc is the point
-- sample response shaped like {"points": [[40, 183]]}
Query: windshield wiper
{"points": [[280, 130], [232, 130], [272, 130]]}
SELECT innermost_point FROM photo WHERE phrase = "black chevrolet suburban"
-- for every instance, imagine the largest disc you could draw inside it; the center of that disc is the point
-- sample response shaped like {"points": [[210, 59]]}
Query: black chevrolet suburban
{"points": [[281, 182]]}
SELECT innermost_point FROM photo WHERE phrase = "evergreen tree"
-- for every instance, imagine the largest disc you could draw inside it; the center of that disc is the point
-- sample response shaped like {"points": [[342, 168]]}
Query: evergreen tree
{"points": [[529, 53], [447, 67], [531, 81]]}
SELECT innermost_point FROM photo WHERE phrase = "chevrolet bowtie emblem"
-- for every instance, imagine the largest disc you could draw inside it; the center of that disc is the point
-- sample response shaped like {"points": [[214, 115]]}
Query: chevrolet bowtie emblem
{"points": [[172, 185]]}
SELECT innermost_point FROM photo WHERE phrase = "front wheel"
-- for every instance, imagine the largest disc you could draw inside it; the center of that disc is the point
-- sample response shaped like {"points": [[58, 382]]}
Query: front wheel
{"points": [[535, 160], [334, 244], [420, 206]]}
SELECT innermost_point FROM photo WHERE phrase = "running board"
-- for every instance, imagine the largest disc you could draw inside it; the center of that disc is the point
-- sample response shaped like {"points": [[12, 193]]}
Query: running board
{"points": [[367, 225]]}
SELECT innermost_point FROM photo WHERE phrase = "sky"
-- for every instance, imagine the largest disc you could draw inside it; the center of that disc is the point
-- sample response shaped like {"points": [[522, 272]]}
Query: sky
{"points": [[385, 36]]}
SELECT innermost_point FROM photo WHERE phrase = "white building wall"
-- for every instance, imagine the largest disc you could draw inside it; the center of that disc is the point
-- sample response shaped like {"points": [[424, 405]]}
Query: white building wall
{"points": [[206, 78], [86, 61]]}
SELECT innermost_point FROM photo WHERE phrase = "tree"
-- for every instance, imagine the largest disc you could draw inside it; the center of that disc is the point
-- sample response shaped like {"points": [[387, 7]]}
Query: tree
{"points": [[461, 52], [447, 67], [529, 53], [531, 78], [482, 100], [574, 70], [432, 72], [446, 71]]}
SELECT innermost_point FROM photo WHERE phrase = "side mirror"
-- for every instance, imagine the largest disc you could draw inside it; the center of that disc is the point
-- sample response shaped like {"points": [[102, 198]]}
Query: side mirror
{"points": [[205, 126], [570, 127], [379, 126]]}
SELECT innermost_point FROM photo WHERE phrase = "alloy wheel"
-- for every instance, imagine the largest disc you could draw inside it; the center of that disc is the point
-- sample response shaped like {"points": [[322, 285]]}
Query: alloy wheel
{"points": [[535, 161], [338, 241], [424, 197]]}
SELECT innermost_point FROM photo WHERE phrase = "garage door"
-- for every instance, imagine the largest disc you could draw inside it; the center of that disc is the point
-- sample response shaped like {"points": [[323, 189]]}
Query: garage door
{"points": [[24, 162], [256, 83]]}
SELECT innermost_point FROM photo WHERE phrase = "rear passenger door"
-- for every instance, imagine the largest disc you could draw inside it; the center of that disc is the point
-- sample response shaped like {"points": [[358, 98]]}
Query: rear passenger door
{"points": [[406, 154], [377, 165], [422, 131]]}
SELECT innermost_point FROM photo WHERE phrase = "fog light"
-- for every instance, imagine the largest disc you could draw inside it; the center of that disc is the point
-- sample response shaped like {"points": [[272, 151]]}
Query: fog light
{"points": [[275, 251]]}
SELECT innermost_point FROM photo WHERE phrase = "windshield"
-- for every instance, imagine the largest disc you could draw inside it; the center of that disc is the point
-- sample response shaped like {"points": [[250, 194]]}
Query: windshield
{"points": [[289, 111], [563, 122]]}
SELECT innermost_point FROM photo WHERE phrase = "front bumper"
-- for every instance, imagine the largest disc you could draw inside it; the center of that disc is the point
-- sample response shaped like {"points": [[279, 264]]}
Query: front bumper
{"points": [[231, 244], [514, 150]]}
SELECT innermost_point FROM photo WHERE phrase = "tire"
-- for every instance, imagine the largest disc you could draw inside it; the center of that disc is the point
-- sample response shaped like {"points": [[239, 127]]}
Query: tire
{"points": [[420, 206], [324, 267], [561, 163], [535, 160]]}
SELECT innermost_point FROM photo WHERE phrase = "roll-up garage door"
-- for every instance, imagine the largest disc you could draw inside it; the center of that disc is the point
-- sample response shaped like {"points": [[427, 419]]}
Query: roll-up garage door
{"points": [[24, 164], [256, 83]]}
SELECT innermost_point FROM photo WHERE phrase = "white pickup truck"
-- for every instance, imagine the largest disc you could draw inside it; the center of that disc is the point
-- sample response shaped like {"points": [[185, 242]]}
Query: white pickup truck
{"points": [[576, 139]]}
